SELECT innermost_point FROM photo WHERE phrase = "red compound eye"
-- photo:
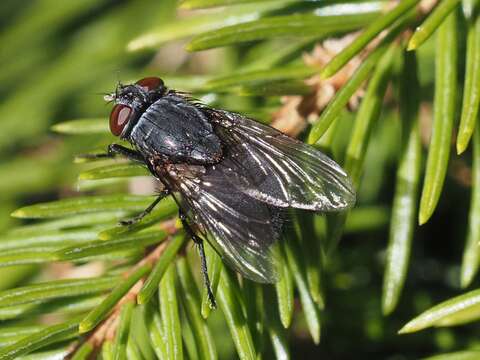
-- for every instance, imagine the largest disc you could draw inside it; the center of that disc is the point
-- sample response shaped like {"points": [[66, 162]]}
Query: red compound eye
{"points": [[119, 118], [150, 83]]}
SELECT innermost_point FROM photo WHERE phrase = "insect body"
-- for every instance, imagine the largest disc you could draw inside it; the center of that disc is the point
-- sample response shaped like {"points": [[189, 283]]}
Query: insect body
{"points": [[229, 175]]}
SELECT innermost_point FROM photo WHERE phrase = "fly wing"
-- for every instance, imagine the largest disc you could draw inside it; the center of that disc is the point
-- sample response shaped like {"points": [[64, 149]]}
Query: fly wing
{"points": [[242, 229], [286, 172]]}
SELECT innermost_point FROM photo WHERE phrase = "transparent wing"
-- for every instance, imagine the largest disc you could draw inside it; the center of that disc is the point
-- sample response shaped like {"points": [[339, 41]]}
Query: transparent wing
{"points": [[286, 172], [242, 229]]}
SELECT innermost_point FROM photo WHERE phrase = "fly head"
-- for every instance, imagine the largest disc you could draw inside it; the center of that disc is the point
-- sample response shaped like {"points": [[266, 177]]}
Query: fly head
{"points": [[131, 101]]}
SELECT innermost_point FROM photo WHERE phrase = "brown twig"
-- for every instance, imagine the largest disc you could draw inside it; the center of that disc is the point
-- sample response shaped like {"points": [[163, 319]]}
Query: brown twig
{"points": [[107, 328], [297, 111]]}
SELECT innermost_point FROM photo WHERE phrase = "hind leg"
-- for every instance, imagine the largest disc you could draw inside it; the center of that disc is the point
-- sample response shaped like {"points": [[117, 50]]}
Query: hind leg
{"points": [[199, 242]]}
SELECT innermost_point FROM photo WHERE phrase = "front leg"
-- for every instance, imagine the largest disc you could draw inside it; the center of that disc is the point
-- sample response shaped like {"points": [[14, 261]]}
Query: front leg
{"points": [[127, 222], [115, 150]]}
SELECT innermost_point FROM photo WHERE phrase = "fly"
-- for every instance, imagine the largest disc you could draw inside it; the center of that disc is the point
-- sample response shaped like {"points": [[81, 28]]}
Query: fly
{"points": [[230, 176]]}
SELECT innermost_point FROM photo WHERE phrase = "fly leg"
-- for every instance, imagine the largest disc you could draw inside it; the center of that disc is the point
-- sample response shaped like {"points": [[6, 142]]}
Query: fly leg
{"points": [[114, 150], [148, 210], [199, 242]]}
